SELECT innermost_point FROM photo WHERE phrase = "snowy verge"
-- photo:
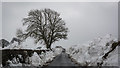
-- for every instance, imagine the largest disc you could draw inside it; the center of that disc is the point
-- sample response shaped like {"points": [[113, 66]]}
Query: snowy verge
{"points": [[92, 54], [35, 59]]}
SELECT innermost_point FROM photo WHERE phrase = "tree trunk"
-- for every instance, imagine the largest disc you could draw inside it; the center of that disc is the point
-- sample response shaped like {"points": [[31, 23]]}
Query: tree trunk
{"points": [[48, 46]]}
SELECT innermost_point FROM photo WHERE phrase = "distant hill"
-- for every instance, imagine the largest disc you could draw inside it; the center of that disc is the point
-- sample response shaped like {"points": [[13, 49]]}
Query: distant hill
{"points": [[4, 43]]}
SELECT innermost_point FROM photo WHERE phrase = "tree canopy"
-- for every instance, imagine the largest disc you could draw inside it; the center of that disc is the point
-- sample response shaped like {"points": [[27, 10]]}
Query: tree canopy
{"points": [[45, 26]]}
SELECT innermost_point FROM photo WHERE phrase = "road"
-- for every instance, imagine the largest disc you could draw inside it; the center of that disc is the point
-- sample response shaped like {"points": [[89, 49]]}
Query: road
{"points": [[62, 60]]}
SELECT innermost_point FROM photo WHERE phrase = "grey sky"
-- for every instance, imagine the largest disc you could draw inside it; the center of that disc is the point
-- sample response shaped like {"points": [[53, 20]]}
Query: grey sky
{"points": [[119, 21], [0, 20], [85, 20]]}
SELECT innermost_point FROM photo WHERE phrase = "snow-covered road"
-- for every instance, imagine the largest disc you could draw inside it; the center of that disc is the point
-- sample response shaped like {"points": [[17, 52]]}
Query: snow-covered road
{"points": [[62, 60]]}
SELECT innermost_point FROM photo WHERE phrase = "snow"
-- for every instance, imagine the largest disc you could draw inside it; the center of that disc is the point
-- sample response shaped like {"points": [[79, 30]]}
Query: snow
{"points": [[27, 44], [49, 55], [35, 60], [1, 66], [57, 51], [13, 46], [46, 57], [12, 64], [91, 54], [0, 48], [112, 59], [23, 45], [43, 58]]}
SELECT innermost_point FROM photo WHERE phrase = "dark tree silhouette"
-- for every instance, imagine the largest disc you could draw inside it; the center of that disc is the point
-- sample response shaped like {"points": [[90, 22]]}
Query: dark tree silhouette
{"points": [[44, 25]]}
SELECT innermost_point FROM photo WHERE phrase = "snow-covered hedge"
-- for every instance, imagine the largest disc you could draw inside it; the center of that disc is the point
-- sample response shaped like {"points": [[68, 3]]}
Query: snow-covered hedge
{"points": [[35, 59], [24, 55], [44, 58], [91, 54]]}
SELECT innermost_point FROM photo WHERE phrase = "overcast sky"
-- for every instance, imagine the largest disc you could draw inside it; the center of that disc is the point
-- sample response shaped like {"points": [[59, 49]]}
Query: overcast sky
{"points": [[0, 20], [85, 20]]}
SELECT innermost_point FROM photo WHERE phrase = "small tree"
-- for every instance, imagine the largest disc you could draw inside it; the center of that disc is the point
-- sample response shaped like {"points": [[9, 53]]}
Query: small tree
{"points": [[45, 26]]}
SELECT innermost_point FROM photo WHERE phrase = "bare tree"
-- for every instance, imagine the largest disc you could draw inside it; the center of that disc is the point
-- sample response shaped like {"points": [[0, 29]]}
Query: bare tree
{"points": [[45, 26]]}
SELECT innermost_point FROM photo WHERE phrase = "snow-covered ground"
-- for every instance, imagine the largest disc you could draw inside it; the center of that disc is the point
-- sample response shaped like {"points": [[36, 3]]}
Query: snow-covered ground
{"points": [[36, 59], [27, 44], [91, 54], [13, 63]]}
